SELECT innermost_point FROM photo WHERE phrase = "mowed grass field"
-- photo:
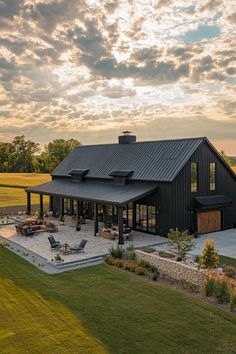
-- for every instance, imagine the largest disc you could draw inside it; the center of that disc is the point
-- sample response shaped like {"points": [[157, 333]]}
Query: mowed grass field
{"points": [[10, 195], [103, 310]]}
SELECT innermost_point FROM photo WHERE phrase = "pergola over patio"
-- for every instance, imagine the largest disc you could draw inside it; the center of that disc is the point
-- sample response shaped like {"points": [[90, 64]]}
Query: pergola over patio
{"points": [[95, 192]]}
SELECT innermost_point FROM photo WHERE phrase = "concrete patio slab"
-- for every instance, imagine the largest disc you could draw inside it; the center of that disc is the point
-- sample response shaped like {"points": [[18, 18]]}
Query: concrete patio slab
{"points": [[225, 243], [95, 247]]}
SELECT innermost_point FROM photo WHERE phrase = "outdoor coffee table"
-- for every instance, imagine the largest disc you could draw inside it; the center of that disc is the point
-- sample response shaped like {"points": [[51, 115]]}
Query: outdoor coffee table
{"points": [[66, 249]]}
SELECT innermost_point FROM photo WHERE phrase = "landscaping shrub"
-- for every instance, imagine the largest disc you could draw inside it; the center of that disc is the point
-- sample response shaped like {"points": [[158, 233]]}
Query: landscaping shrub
{"points": [[222, 289], [130, 266], [230, 271], [181, 243], [131, 255], [109, 260], [153, 269], [145, 264], [148, 249], [232, 299], [116, 252], [209, 284], [140, 270], [3, 244], [118, 262], [220, 286], [155, 275], [209, 258]]}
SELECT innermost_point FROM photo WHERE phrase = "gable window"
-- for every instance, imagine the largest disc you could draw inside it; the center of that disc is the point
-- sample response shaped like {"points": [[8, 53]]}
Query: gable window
{"points": [[194, 176], [212, 176]]}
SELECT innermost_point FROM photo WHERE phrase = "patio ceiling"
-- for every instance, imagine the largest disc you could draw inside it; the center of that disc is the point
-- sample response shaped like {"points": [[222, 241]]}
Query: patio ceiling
{"points": [[106, 193]]}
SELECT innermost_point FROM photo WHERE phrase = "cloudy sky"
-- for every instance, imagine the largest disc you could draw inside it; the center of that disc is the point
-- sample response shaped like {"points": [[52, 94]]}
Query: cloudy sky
{"points": [[89, 69]]}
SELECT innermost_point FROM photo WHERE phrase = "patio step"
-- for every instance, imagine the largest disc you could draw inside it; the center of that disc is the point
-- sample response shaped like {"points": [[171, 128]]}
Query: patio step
{"points": [[80, 263]]}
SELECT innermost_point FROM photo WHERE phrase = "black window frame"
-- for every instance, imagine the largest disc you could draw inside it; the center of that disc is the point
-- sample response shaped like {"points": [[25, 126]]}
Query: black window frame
{"points": [[194, 190], [210, 177]]}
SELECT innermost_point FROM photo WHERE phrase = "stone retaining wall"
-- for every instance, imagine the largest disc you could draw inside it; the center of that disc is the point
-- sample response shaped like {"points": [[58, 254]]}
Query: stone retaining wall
{"points": [[173, 269]]}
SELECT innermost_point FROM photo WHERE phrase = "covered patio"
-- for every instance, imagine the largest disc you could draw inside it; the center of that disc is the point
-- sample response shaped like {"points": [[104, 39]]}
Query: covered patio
{"points": [[95, 247], [98, 201]]}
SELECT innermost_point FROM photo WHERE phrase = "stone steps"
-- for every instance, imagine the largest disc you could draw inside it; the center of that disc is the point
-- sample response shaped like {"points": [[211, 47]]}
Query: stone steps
{"points": [[80, 263]]}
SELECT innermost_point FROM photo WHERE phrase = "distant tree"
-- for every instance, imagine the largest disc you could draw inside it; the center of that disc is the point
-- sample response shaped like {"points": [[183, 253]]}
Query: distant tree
{"points": [[21, 155], [4, 156], [56, 151], [226, 158]]}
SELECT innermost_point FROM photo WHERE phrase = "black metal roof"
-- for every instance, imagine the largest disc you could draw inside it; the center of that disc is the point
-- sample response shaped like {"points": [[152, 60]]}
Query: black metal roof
{"points": [[96, 192], [150, 161], [213, 200]]}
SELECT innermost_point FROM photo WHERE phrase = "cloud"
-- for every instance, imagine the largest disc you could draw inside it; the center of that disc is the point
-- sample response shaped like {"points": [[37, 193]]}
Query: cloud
{"points": [[70, 67]]}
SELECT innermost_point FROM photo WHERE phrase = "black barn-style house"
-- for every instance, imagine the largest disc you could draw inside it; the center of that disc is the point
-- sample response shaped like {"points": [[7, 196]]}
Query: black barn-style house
{"points": [[150, 186]]}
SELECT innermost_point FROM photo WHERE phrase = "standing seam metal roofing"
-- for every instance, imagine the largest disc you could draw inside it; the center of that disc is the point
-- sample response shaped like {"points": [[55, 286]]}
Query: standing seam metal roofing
{"points": [[91, 191], [158, 161]]}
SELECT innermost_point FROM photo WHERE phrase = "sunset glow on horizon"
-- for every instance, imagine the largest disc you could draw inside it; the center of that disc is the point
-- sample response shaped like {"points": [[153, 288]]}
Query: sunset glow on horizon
{"points": [[89, 69]]}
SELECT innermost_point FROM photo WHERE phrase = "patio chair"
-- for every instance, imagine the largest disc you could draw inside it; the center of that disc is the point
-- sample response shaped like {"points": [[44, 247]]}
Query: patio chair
{"points": [[53, 243], [80, 247]]}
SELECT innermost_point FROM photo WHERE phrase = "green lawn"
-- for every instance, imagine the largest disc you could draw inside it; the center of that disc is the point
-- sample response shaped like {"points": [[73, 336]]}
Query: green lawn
{"points": [[103, 310], [228, 261], [10, 196]]}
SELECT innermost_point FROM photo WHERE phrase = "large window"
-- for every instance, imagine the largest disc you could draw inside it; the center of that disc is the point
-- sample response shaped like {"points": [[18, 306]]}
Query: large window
{"points": [[212, 176], [146, 218], [194, 177]]}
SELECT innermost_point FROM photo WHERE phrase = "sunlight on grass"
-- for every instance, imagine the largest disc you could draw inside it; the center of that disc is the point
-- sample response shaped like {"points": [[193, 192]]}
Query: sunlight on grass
{"points": [[17, 196], [23, 179], [29, 318], [100, 308]]}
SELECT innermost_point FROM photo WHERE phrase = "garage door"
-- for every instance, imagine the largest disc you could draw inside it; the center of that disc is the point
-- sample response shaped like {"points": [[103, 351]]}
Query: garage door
{"points": [[209, 221]]}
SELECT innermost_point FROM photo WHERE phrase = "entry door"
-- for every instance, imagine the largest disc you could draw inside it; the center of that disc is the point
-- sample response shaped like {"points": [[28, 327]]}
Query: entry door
{"points": [[209, 221]]}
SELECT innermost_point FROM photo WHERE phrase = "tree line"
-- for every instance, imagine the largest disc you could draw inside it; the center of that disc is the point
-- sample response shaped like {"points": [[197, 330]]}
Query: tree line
{"points": [[22, 155]]}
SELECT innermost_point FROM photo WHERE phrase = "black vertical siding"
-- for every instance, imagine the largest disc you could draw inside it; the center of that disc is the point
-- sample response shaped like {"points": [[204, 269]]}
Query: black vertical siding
{"points": [[178, 206], [175, 201]]}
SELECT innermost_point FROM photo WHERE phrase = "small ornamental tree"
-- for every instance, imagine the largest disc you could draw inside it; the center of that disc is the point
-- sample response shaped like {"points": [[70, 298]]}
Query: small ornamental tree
{"points": [[181, 243], [209, 258]]}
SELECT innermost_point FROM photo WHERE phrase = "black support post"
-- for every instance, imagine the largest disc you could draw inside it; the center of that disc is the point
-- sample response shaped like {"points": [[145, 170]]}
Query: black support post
{"points": [[105, 215], [41, 206], [51, 203], [95, 219], [133, 216], [120, 225], [71, 206], [62, 209], [28, 203], [77, 210]]}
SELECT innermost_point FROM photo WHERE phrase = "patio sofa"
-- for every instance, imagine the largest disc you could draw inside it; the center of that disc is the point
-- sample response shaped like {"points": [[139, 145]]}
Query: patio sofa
{"points": [[112, 233]]}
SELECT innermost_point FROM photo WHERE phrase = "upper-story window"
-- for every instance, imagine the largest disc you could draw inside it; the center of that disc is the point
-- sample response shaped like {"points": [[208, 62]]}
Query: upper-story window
{"points": [[194, 176], [212, 176]]}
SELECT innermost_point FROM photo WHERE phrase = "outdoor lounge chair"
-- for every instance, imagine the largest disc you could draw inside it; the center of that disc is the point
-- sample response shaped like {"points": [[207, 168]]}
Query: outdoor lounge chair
{"points": [[80, 247], [53, 243]]}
